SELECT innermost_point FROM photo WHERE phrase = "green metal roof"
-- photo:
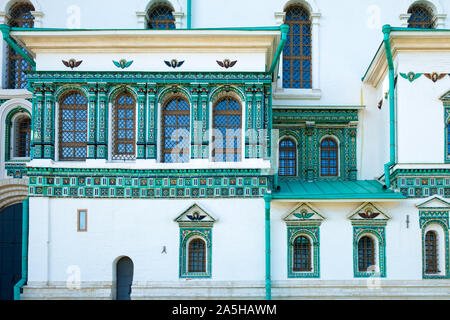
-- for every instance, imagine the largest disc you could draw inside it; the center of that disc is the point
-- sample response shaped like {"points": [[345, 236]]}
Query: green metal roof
{"points": [[295, 188]]}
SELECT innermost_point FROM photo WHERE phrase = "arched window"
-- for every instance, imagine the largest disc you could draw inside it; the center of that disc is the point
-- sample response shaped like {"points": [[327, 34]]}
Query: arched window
{"points": [[197, 256], [366, 253], [72, 126], [431, 256], [124, 126], [302, 254], [175, 131], [421, 17], [22, 136], [448, 141], [160, 17], [287, 158], [328, 157], [227, 130], [20, 17], [297, 49]]}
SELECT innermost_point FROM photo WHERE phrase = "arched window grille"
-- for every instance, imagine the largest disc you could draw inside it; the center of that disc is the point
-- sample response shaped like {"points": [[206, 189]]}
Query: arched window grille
{"points": [[328, 157], [175, 131], [287, 158], [227, 130], [302, 254], [22, 137], [431, 255], [197, 256], [20, 17], [124, 127], [366, 253], [161, 17], [72, 126], [421, 17], [297, 49]]}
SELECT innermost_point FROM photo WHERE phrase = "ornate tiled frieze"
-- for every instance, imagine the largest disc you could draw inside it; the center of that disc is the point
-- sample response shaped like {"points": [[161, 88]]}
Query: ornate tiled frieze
{"points": [[16, 169], [422, 183], [104, 183]]}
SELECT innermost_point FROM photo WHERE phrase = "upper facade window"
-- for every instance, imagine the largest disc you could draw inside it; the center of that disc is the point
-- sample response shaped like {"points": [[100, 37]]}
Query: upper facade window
{"points": [[20, 17], [328, 158], [287, 158], [124, 127], [72, 126], [227, 121], [297, 49], [161, 17], [421, 17], [175, 131]]}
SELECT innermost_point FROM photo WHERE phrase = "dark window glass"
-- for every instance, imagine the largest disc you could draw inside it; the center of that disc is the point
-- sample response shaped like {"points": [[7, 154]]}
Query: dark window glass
{"points": [[72, 126], [302, 254], [421, 18], [366, 253], [197, 256], [448, 140], [287, 158], [297, 49], [175, 126], [23, 137], [328, 157], [20, 17], [227, 130], [431, 252], [125, 128], [161, 17]]}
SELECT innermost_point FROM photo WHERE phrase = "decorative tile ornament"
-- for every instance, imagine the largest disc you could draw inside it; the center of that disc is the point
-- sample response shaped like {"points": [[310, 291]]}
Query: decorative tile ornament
{"points": [[411, 76], [304, 221], [72, 63], [435, 76], [435, 211], [195, 223], [226, 63], [370, 220], [174, 63], [122, 63]]}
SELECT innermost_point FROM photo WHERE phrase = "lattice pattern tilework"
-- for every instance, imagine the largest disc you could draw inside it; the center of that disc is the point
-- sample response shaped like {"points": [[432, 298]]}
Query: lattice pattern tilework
{"points": [[422, 183], [160, 17], [203, 233], [16, 169]]}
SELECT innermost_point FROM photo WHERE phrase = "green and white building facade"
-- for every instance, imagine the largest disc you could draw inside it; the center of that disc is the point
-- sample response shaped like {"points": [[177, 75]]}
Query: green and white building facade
{"points": [[204, 150]]}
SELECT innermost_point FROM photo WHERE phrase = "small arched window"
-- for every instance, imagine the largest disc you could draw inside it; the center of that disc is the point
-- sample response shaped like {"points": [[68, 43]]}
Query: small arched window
{"points": [[328, 157], [297, 49], [431, 255], [366, 253], [124, 126], [448, 141], [197, 256], [20, 17], [302, 254], [421, 17], [175, 131], [72, 126], [227, 130], [161, 17], [287, 158], [22, 137]]}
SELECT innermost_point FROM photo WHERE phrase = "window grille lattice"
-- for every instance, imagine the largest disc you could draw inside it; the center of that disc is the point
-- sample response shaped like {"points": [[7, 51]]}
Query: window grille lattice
{"points": [[421, 18], [297, 49], [17, 66], [302, 254], [287, 158], [431, 262], [176, 125], [73, 127], [227, 132], [161, 17], [22, 137], [366, 254], [124, 133], [328, 157], [197, 256]]}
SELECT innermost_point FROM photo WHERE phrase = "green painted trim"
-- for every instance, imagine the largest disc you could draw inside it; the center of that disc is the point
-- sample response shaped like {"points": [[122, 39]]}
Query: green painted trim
{"points": [[284, 31], [268, 284], [189, 14], [371, 62], [23, 280], [386, 32], [416, 29], [313, 232], [5, 29], [149, 30], [204, 233], [377, 231]]}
